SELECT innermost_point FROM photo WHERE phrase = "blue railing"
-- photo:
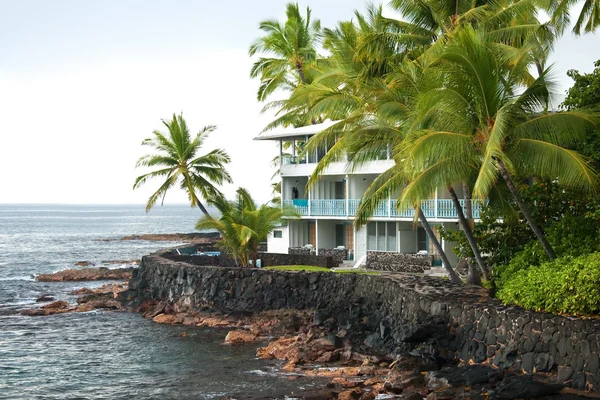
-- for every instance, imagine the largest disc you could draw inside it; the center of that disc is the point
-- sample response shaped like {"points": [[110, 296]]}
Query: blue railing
{"points": [[436, 209]]}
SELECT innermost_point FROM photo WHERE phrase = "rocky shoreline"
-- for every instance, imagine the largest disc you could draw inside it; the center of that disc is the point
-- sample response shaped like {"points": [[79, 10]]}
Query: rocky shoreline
{"points": [[311, 343], [87, 274], [192, 238]]}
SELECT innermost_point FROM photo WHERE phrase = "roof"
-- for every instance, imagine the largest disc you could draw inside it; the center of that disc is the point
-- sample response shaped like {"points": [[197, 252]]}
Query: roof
{"points": [[295, 133]]}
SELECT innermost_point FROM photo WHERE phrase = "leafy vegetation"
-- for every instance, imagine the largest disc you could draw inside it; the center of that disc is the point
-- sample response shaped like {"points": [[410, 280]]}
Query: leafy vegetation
{"points": [[178, 163], [567, 285], [243, 225]]}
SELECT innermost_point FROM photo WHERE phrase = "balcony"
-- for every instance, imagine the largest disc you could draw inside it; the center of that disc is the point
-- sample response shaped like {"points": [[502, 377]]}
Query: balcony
{"points": [[435, 209]]}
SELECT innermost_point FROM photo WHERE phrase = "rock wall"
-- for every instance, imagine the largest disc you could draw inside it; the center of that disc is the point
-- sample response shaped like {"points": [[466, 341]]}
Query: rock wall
{"points": [[393, 314], [398, 262], [272, 259]]}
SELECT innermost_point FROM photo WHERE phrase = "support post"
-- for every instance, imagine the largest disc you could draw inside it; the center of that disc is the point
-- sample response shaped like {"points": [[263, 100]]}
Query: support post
{"points": [[316, 236], [280, 152], [435, 206], [309, 198], [347, 196]]}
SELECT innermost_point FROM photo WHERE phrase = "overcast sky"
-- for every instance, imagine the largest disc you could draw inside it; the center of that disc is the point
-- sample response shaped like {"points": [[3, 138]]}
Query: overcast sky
{"points": [[83, 82]]}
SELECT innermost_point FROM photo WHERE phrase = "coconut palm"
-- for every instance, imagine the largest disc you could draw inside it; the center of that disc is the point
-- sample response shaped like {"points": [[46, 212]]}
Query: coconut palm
{"points": [[479, 115], [179, 163], [289, 49], [588, 19], [244, 224]]}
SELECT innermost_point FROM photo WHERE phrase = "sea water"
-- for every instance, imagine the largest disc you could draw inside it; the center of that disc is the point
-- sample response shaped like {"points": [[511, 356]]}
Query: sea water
{"points": [[105, 354]]}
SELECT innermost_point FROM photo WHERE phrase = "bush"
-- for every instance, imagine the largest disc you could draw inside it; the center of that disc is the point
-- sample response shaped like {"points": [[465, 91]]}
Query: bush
{"points": [[568, 285]]}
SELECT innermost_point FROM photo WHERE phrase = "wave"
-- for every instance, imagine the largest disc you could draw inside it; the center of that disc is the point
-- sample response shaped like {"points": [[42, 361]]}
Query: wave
{"points": [[18, 278]]}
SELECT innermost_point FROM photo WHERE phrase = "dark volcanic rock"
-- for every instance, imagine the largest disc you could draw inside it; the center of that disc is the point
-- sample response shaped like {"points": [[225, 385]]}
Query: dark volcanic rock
{"points": [[468, 375], [524, 386], [44, 298], [87, 274]]}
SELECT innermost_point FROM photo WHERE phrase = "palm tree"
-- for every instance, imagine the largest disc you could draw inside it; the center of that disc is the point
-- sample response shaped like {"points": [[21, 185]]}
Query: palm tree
{"points": [[588, 19], [289, 51], [478, 115], [244, 224], [178, 162]]}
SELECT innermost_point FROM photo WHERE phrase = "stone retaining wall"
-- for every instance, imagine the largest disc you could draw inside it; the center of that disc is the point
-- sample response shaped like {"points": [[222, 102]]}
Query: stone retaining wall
{"points": [[398, 262], [272, 259], [394, 314], [337, 254]]}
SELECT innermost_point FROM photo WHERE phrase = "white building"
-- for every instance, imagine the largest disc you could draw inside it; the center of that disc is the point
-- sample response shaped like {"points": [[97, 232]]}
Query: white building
{"points": [[328, 209]]}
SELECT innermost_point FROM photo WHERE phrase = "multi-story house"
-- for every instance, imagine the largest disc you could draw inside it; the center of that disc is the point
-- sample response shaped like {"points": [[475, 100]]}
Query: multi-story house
{"points": [[328, 209]]}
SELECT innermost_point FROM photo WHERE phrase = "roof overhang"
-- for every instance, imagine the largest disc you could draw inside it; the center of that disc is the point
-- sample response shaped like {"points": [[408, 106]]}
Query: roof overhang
{"points": [[295, 133]]}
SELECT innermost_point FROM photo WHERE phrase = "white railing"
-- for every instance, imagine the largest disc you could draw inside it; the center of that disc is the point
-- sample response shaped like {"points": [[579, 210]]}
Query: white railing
{"points": [[435, 209]]}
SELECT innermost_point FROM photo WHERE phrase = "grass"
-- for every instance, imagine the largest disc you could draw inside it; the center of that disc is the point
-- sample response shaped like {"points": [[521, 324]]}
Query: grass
{"points": [[311, 268]]}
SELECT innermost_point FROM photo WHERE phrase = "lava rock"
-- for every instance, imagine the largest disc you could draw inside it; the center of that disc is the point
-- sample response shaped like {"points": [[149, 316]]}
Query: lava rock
{"points": [[44, 298], [454, 377], [524, 386]]}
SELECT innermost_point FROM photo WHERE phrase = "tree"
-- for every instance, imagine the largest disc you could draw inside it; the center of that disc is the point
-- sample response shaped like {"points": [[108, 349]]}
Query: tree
{"points": [[476, 115], [243, 224], [585, 94], [588, 19], [289, 51], [178, 162]]}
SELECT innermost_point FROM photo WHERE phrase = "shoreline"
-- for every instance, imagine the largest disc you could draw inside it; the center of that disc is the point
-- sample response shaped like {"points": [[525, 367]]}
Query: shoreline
{"points": [[311, 344]]}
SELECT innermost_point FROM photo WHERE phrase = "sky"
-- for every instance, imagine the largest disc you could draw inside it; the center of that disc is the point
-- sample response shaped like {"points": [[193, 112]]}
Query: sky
{"points": [[83, 82]]}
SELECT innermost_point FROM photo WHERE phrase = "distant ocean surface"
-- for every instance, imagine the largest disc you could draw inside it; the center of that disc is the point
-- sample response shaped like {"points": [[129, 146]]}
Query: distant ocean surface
{"points": [[101, 354]]}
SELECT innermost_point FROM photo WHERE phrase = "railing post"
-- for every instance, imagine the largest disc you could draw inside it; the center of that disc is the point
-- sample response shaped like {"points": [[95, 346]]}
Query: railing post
{"points": [[309, 201], [347, 195], [435, 206], [389, 207]]}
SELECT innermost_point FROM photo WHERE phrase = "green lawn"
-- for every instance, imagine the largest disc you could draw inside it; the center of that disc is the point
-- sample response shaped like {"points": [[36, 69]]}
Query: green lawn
{"points": [[311, 268]]}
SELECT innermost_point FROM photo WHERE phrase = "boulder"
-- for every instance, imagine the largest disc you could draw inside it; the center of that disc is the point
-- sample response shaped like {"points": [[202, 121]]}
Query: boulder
{"points": [[353, 394], [87, 274], [468, 375], [164, 319], [524, 386], [240, 336], [57, 305], [44, 298]]}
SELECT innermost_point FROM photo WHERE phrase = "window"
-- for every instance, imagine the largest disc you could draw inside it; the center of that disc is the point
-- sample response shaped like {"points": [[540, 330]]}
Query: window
{"points": [[381, 236], [277, 234]]}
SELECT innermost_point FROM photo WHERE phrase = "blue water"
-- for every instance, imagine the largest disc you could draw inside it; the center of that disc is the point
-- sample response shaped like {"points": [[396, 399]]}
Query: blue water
{"points": [[103, 354]]}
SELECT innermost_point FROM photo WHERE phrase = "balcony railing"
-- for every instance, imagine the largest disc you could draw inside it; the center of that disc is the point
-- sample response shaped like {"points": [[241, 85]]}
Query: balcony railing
{"points": [[436, 209]]}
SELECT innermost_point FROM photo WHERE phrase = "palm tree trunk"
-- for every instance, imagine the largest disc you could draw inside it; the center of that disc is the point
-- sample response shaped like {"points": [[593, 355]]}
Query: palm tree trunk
{"points": [[203, 209], [438, 247], [468, 204], [468, 233], [300, 72], [525, 210]]}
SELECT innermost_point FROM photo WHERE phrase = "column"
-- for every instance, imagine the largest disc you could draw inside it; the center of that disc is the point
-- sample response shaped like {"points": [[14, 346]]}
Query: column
{"points": [[309, 197], [280, 152], [317, 236], [436, 203], [347, 195]]}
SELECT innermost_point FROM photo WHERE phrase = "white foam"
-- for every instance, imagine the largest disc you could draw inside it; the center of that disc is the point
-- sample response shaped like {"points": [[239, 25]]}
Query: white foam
{"points": [[18, 278]]}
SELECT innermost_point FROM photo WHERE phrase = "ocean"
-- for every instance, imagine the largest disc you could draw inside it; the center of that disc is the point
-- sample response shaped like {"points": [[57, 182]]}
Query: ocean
{"points": [[105, 354]]}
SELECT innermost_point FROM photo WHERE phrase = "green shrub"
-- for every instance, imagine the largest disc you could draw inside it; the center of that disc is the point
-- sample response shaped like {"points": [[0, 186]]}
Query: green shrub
{"points": [[568, 285]]}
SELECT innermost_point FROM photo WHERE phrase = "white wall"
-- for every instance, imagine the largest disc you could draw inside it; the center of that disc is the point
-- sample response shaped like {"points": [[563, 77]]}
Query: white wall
{"points": [[358, 187], [360, 245], [448, 246], [326, 234], [288, 183], [408, 238], [279, 245], [298, 233]]}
